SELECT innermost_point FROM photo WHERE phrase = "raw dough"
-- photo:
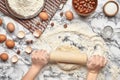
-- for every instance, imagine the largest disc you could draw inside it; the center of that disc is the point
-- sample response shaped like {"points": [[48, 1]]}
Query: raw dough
{"points": [[78, 35], [24, 9], [68, 48]]}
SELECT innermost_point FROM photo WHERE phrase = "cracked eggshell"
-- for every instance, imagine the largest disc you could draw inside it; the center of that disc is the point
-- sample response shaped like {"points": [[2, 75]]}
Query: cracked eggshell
{"points": [[37, 33], [21, 34], [14, 59], [28, 49]]}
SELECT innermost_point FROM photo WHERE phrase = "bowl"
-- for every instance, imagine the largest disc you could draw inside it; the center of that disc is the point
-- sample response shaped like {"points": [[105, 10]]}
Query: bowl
{"points": [[85, 7], [112, 9]]}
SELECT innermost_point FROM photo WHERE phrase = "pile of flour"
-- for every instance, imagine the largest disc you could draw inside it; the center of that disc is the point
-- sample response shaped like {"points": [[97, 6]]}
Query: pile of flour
{"points": [[26, 7]]}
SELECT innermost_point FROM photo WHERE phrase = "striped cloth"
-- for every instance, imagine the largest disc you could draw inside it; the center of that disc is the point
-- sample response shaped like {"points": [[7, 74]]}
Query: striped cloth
{"points": [[51, 6]]}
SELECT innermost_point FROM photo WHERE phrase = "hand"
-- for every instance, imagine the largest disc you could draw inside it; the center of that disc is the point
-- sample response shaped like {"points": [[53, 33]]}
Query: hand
{"points": [[96, 63], [39, 58]]}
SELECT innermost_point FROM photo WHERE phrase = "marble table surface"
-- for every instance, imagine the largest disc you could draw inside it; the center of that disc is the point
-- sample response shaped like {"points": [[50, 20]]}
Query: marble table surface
{"points": [[97, 21]]}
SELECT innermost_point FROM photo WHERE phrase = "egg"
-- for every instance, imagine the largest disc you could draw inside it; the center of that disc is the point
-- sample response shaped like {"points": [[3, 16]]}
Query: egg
{"points": [[2, 38], [4, 56], [69, 15], [44, 16], [10, 27], [1, 22], [10, 44]]}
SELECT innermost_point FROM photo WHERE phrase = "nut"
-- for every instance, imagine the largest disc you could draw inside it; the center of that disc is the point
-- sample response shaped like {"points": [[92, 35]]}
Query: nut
{"points": [[84, 7]]}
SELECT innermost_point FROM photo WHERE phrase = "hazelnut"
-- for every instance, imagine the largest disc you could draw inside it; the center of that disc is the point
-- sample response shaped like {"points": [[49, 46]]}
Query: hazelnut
{"points": [[4, 56], [10, 44], [2, 38]]}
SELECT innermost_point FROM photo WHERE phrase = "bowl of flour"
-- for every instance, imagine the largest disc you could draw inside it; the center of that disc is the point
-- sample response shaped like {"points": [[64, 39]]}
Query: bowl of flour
{"points": [[24, 9]]}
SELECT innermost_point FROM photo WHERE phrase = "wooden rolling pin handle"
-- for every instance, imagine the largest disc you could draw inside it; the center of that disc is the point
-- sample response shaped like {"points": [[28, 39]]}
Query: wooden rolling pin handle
{"points": [[67, 57]]}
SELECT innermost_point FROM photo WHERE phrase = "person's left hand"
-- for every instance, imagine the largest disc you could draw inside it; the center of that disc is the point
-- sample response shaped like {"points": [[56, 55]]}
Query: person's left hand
{"points": [[39, 58]]}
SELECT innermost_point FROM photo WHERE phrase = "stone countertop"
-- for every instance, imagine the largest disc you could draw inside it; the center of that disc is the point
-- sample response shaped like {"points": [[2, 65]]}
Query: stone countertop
{"points": [[97, 21]]}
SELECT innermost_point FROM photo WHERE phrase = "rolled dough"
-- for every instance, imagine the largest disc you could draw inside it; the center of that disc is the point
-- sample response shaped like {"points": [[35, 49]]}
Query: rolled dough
{"points": [[72, 49]]}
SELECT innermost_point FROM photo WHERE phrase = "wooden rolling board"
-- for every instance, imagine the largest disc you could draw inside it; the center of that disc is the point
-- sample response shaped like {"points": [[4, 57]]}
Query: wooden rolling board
{"points": [[51, 6]]}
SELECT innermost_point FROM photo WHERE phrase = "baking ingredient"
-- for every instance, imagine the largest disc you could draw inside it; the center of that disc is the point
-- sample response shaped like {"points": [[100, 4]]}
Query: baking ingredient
{"points": [[24, 9], [65, 25], [1, 22], [52, 24], [65, 55], [29, 42], [4, 56], [111, 8], [37, 33], [69, 15], [14, 59], [10, 44], [10, 27], [28, 49], [18, 52], [84, 7], [2, 38], [44, 16], [21, 34]]}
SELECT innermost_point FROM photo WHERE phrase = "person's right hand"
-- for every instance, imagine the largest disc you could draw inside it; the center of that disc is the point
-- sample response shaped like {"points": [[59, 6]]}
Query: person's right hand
{"points": [[96, 63], [39, 58]]}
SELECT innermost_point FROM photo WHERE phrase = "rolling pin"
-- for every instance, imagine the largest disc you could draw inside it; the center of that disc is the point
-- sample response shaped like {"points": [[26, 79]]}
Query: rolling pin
{"points": [[68, 57]]}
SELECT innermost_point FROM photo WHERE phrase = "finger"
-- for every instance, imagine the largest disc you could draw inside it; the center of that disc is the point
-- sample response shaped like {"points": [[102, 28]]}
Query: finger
{"points": [[105, 62], [102, 61]]}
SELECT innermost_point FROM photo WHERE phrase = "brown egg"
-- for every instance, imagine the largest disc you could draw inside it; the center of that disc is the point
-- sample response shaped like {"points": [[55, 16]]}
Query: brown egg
{"points": [[2, 38], [10, 44], [44, 16], [4, 56], [1, 22], [69, 15], [10, 27]]}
